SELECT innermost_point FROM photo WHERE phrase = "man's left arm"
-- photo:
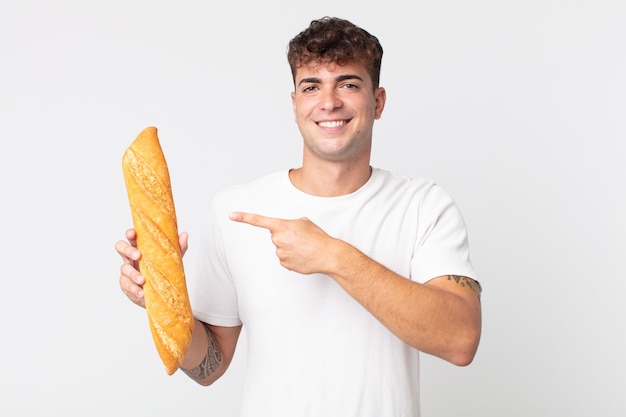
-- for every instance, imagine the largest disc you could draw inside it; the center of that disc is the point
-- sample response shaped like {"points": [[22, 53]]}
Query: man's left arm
{"points": [[441, 317]]}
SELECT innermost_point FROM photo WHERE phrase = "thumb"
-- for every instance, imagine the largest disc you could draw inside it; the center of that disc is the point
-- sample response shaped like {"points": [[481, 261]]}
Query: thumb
{"points": [[183, 241]]}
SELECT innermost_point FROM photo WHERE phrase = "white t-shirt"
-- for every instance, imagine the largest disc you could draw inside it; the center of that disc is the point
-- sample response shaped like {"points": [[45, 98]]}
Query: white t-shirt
{"points": [[312, 349]]}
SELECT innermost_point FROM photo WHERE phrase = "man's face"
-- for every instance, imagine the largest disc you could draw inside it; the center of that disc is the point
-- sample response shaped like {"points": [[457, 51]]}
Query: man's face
{"points": [[335, 108]]}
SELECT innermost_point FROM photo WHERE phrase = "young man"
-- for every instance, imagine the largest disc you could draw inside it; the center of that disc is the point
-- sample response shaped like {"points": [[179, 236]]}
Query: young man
{"points": [[340, 272]]}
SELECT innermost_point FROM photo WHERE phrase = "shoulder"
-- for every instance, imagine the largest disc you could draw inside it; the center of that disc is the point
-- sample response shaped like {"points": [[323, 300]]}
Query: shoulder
{"points": [[253, 195], [261, 185], [421, 188]]}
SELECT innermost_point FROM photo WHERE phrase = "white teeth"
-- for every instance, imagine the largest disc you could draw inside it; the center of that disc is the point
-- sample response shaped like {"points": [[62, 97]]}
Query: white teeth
{"points": [[333, 123]]}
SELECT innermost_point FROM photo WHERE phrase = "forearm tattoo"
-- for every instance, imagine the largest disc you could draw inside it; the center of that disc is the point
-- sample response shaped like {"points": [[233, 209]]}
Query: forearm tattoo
{"points": [[467, 282], [211, 361]]}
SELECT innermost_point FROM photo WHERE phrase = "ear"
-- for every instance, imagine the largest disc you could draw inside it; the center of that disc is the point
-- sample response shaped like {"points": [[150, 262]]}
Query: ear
{"points": [[380, 95]]}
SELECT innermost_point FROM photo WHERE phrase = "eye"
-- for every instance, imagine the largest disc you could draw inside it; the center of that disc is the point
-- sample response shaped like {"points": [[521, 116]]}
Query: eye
{"points": [[309, 88], [350, 86]]}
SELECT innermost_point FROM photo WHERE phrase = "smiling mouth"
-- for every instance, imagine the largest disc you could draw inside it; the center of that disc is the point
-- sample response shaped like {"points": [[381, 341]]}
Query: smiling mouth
{"points": [[332, 123]]}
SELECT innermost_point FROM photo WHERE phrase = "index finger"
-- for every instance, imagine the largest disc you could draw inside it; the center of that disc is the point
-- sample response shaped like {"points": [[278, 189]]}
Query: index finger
{"points": [[131, 235], [254, 219], [127, 251]]}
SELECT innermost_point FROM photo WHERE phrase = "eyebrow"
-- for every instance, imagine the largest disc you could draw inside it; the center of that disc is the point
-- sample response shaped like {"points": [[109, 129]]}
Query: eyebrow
{"points": [[315, 80]]}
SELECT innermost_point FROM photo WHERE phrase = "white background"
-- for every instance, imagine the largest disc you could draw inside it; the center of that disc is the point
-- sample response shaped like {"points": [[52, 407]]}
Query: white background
{"points": [[518, 109]]}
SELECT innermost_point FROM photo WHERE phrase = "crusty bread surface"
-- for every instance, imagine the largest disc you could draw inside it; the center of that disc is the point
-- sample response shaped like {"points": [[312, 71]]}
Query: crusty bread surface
{"points": [[154, 218]]}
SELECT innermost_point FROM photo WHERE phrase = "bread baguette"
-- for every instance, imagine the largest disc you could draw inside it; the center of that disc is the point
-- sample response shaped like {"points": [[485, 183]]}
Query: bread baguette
{"points": [[154, 218]]}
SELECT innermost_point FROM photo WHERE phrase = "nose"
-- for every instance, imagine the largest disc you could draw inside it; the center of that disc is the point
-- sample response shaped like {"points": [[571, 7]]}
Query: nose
{"points": [[330, 100]]}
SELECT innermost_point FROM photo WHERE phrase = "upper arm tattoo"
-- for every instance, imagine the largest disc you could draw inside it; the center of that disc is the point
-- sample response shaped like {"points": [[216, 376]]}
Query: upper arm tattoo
{"points": [[472, 284], [211, 361]]}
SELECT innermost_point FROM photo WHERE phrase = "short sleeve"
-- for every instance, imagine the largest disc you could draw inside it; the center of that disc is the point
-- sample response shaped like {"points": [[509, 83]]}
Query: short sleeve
{"points": [[442, 246], [212, 292]]}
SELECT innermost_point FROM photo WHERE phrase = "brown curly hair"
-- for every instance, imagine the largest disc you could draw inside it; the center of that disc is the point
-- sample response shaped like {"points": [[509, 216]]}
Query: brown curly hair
{"points": [[332, 40]]}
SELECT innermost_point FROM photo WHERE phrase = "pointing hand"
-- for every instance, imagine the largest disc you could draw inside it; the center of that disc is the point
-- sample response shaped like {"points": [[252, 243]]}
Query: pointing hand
{"points": [[301, 246]]}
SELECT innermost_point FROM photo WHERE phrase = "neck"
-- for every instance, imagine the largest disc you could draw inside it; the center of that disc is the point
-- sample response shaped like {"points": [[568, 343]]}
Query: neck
{"points": [[330, 179]]}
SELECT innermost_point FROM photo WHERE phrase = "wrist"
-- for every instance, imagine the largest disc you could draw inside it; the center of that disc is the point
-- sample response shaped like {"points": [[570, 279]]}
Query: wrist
{"points": [[345, 260]]}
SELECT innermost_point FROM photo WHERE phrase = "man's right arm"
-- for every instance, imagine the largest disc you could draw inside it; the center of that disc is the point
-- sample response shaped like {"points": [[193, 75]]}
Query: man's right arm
{"points": [[212, 347], [210, 352]]}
